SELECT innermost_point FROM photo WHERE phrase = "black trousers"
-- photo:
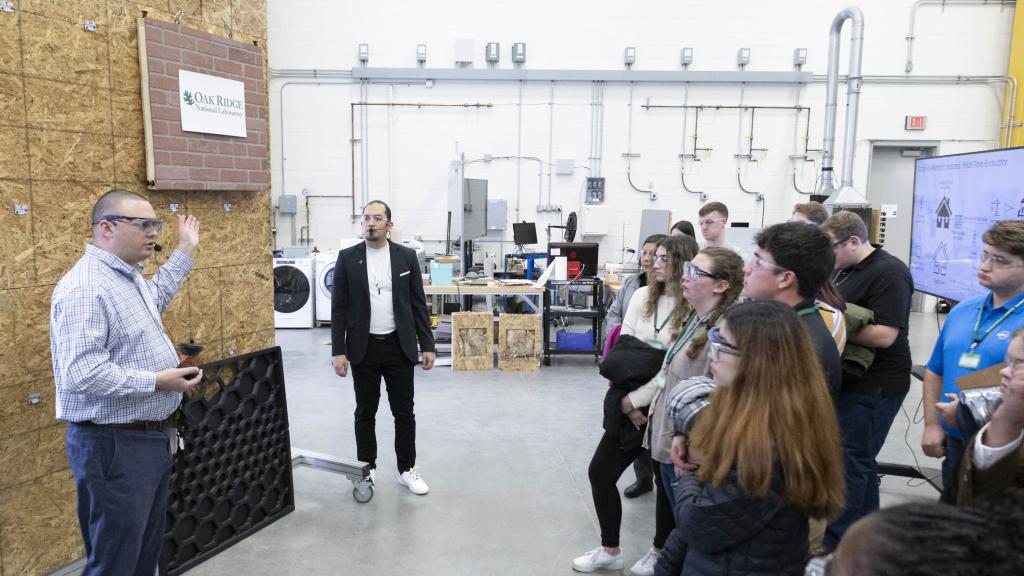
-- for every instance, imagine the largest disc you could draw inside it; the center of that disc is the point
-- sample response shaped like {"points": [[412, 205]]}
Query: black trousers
{"points": [[664, 516], [644, 467], [606, 467], [384, 358]]}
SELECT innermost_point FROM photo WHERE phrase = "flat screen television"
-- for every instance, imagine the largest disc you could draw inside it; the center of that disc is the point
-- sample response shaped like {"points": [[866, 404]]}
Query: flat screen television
{"points": [[581, 257], [957, 198], [524, 233]]}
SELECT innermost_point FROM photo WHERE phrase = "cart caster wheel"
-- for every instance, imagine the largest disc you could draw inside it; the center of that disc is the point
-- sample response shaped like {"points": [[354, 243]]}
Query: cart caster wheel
{"points": [[362, 492]]}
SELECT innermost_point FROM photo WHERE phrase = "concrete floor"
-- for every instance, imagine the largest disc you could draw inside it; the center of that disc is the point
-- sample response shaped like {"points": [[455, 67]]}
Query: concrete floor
{"points": [[506, 457]]}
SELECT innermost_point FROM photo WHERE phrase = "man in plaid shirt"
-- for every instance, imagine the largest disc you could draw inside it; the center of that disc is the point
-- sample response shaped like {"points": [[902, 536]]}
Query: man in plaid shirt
{"points": [[118, 381]]}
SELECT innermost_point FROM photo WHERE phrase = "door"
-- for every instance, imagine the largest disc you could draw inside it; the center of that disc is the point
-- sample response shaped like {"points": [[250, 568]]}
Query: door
{"points": [[291, 289], [327, 280], [891, 183]]}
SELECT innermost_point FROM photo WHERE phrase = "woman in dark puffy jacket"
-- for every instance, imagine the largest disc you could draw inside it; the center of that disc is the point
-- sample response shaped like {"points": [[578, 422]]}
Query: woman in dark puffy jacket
{"points": [[762, 458]]}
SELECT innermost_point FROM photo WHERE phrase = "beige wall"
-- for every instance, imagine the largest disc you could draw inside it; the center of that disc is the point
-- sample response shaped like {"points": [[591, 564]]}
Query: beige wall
{"points": [[70, 129]]}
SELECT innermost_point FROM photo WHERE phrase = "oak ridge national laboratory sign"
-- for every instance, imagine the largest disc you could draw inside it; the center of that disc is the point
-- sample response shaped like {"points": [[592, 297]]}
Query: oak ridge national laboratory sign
{"points": [[211, 105]]}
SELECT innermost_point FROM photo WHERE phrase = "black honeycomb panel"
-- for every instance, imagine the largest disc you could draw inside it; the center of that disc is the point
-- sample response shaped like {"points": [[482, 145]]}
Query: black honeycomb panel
{"points": [[234, 476]]}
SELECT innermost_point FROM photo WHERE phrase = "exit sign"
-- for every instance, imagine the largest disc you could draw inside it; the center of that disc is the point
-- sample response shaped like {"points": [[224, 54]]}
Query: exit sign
{"points": [[915, 122]]}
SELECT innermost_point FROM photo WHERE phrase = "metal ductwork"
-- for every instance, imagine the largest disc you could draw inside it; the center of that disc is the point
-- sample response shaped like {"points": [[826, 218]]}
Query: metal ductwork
{"points": [[847, 196]]}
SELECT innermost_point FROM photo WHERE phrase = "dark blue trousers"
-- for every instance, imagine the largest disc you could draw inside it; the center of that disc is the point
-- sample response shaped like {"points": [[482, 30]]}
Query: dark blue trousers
{"points": [[122, 479], [864, 422]]}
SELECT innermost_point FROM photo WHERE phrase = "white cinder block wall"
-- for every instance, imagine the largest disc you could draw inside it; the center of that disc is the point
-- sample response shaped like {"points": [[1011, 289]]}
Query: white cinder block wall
{"points": [[408, 150]]}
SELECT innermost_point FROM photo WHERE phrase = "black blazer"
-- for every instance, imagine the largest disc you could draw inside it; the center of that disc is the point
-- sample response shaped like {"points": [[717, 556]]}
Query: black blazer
{"points": [[350, 305]]}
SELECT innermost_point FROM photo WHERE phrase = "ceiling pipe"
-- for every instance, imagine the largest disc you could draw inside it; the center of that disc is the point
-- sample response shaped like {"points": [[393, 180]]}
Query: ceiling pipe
{"points": [[846, 194]]}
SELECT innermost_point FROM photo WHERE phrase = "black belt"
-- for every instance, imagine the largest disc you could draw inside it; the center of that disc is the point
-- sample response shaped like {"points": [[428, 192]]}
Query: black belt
{"points": [[144, 426], [384, 337]]}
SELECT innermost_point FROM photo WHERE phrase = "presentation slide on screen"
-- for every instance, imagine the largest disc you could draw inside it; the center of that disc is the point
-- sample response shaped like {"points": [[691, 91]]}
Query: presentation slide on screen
{"points": [[957, 198]]}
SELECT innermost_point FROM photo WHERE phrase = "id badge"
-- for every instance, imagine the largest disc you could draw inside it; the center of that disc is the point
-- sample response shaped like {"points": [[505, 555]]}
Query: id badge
{"points": [[970, 360], [659, 380], [655, 343]]}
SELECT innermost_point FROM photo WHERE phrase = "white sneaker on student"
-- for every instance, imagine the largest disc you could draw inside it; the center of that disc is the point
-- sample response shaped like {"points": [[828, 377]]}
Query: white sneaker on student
{"points": [[597, 559], [645, 566], [411, 479]]}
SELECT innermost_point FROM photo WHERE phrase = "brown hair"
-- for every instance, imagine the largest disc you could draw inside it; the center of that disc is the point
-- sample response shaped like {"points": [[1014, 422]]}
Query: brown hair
{"points": [[1006, 235], [776, 410], [680, 249], [110, 203], [713, 207], [814, 211], [845, 224], [727, 266]]}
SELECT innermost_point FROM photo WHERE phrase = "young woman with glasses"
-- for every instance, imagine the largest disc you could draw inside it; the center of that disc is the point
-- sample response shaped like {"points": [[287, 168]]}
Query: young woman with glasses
{"points": [[710, 283], [655, 315], [762, 457]]}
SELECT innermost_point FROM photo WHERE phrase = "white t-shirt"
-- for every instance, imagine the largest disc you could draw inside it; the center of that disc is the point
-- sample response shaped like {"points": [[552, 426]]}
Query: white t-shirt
{"points": [[378, 278], [986, 457]]}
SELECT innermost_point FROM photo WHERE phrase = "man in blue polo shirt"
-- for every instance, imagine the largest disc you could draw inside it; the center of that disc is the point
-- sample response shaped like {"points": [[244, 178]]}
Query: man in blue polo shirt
{"points": [[976, 335]]}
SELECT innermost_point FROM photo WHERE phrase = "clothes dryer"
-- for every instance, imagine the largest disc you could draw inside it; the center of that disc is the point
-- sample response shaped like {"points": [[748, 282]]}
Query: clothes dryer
{"points": [[325, 262], [294, 293]]}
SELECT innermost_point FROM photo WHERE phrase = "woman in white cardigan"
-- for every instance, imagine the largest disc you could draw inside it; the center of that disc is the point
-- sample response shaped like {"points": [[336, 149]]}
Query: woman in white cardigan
{"points": [[655, 315]]}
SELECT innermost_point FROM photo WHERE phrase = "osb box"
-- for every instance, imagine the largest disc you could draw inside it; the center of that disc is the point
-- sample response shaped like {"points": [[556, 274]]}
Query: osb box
{"points": [[519, 342], [472, 341]]}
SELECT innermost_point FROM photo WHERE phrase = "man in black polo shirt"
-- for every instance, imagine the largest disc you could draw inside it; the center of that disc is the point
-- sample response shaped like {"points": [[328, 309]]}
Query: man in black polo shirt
{"points": [[867, 405], [791, 263]]}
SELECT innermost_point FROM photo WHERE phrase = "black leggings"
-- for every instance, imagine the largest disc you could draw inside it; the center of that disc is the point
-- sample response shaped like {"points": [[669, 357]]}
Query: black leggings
{"points": [[606, 467]]}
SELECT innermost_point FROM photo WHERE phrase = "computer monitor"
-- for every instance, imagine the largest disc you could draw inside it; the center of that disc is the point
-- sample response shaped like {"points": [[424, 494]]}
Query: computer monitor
{"points": [[581, 257], [524, 233]]}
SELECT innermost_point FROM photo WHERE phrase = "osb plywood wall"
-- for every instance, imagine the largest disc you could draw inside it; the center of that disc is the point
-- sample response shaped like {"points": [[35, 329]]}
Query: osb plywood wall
{"points": [[70, 129]]}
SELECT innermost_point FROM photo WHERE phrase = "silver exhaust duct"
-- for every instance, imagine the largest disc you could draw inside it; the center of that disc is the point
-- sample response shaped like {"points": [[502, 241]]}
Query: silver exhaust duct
{"points": [[847, 196]]}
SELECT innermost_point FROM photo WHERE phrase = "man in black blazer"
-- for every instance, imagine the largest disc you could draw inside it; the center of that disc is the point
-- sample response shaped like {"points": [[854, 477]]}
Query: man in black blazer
{"points": [[378, 314]]}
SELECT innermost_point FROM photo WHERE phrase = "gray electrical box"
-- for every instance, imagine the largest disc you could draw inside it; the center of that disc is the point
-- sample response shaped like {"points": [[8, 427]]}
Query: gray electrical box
{"points": [[474, 208], [653, 222], [564, 166], [287, 204], [497, 214]]}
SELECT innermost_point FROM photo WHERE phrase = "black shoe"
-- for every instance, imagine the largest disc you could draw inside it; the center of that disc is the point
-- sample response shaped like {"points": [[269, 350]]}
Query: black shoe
{"points": [[638, 488]]}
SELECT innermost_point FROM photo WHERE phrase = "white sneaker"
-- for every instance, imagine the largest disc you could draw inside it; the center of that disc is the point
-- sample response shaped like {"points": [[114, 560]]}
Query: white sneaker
{"points": [[411, 479], [597, 559], [373, 476], [645, 566]]}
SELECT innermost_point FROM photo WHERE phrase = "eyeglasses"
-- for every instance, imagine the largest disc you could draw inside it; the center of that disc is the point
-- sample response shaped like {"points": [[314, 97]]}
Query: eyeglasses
{"points": [[147, 225], [691, 271], [663, 258], [841, 242], [999, 261], [1012, 362], [708, 221], [819, 566], [758, 262], [719, 346], [375, 218]]}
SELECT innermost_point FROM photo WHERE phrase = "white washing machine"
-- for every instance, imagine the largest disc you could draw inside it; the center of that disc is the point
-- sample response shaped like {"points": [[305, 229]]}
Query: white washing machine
{"points": [[294, 293], [325, 262]]}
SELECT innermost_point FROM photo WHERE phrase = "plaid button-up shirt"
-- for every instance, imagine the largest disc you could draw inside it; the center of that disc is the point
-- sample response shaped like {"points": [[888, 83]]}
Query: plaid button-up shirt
{"points": [[107, 343]]}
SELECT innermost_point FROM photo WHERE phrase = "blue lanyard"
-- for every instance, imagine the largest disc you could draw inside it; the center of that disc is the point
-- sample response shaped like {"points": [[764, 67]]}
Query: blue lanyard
{"points": [[975, 339]]}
